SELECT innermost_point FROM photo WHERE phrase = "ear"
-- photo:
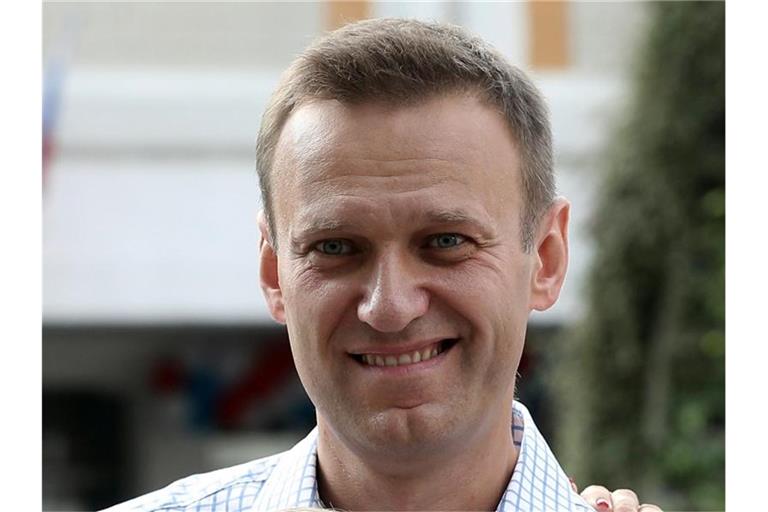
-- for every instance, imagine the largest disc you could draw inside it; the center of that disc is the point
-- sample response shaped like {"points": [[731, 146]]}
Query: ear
{"points": [[551, 255], [268, 272]]}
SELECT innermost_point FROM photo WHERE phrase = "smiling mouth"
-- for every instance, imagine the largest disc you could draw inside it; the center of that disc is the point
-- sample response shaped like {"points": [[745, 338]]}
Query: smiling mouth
{"points": [[406, 358]]}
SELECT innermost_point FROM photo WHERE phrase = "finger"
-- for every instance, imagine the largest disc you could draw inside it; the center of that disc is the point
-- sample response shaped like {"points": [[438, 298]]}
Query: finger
{"points": [[647, 507], [573, 484], [598, 497], [624, 500]]}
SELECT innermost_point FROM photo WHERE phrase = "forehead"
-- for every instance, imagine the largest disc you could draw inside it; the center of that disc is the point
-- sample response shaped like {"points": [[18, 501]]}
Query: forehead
{"points": [[446, 145], [452, 127]]}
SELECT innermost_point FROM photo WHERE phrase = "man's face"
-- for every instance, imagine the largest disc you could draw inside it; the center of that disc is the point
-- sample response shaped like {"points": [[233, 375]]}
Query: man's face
{"points": [[400, 272]]}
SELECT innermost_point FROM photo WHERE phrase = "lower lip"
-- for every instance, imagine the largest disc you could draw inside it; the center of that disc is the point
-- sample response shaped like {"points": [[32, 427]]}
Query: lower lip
{"points": [[408, 369]]}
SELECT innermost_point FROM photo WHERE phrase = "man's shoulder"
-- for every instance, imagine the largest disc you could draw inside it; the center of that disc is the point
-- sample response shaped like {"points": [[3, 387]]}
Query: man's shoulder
{"points": [[232, 488]]}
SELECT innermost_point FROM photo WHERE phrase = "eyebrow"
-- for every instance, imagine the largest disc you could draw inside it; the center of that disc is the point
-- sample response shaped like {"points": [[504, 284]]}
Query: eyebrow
{"points": [[481, 224], [319, 225], [450, 217], [325, 224]]}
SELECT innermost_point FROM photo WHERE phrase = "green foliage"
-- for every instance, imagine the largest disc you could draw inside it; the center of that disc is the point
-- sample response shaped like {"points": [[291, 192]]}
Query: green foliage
{"points": [[641, 382]]}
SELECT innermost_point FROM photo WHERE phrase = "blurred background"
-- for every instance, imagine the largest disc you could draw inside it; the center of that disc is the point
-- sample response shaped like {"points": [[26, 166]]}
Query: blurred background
{"points": [[159, 357]]}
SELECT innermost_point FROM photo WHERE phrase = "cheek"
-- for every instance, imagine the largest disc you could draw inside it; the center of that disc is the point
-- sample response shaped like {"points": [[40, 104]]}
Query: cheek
{"points": [[494, 303], [317, 294], [489, 291], [303, 291], [315, 305]]}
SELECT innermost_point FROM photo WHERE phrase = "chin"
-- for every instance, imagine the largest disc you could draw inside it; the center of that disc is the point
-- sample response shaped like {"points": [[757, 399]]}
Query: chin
{"points": [[409, 432]]}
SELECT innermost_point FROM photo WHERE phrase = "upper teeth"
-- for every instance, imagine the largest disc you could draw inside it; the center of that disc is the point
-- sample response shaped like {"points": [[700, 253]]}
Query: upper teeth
{"points": [[398, 360]]}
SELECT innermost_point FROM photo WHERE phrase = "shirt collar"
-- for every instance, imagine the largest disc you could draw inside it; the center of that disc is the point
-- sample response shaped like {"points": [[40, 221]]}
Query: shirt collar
{"points": [[538, 482], [293, 481]]}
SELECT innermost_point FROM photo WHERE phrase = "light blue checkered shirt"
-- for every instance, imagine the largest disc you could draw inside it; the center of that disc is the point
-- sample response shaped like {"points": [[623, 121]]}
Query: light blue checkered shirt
{"points": [[288, 480]]}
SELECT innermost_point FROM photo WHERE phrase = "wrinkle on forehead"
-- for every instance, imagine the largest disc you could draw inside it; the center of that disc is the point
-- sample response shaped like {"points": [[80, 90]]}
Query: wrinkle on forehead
{"points": [[342, 165], [361, 177]]}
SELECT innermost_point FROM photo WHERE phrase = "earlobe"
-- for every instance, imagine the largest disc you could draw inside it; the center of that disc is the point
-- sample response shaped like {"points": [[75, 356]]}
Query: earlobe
{"points": [[551, 256], [268, 273]]}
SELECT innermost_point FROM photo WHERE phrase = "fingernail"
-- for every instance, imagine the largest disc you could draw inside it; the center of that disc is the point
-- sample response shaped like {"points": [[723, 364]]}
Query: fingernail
{"points": [[602, 504]]}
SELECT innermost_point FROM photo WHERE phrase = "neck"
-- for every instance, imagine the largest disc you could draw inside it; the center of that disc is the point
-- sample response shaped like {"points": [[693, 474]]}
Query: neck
{"points": [[472, 477]]}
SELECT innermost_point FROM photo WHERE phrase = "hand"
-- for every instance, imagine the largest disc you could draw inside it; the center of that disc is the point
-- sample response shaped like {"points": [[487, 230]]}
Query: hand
{"points": [[620, 500]]}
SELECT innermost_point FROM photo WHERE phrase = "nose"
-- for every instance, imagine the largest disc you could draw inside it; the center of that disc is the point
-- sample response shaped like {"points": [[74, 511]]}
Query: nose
{"points": [[395, 295]]}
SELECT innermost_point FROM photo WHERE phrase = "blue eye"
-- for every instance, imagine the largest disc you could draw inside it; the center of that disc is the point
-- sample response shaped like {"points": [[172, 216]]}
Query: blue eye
{"points": [[334, 247], [446, 241]]}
